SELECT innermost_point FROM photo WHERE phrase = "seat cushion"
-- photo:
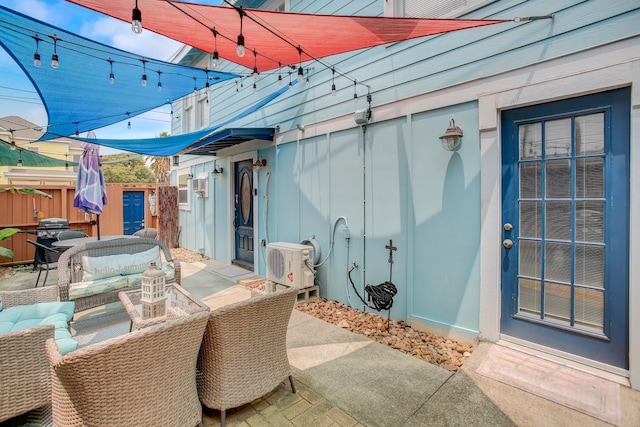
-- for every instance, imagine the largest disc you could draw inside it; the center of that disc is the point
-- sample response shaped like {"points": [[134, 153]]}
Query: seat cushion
{"points": [[59, 314]]}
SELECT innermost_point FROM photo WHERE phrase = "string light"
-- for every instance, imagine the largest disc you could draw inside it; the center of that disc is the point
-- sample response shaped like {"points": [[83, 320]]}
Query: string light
{"points": [[20, 160], [240, 48], [136, 19], [159, 82], [66, 161], [206, 84], [300, 70], [144, 71], [77, 133], [333, 81], [307, 77], [214, 56], [36, 56], [255, 88], [13, 141], [255, 65], [355, 91], [279, 73], [290, 83], [129, 122], [195, 84], [54, 56], [112, 77]]}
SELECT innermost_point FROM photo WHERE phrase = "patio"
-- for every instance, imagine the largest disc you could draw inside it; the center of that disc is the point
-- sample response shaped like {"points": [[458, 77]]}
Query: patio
{"points": [[345, 379]]}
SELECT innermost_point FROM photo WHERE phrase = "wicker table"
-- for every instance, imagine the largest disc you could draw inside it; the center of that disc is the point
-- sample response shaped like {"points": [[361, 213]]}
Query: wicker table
{"points": [[179, 302]]}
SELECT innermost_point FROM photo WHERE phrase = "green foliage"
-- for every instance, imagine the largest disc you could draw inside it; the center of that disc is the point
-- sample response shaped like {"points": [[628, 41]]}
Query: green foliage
{"points": [[126, 168], [5, 233]]}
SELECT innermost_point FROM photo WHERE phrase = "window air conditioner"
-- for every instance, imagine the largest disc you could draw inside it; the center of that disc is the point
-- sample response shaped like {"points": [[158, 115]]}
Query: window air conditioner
{"points": [[287, 264], [200, 186]]}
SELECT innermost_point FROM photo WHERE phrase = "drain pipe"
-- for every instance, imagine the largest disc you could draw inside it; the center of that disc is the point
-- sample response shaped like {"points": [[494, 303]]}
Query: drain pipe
{"points": [[364, 207]]}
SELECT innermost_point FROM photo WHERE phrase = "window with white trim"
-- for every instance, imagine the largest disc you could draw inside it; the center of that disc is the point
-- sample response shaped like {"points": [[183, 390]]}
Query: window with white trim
{"points": [[432, 8], [183, 189]]}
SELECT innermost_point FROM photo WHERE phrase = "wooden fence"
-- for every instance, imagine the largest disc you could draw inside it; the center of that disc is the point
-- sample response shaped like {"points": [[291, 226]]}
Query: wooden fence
{"points": [[25, 212]]}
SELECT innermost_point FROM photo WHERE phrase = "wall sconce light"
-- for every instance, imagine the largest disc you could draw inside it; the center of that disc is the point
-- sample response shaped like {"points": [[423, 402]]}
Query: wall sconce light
{"points": [[260, 163], [452, 137], [176, 160], [300, 127], [217, 171], [190, 176]]}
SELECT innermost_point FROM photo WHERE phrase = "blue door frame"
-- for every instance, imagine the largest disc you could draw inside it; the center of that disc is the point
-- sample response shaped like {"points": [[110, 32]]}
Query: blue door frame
{"points": [[531, 220], [132, 211], [243, 218]]}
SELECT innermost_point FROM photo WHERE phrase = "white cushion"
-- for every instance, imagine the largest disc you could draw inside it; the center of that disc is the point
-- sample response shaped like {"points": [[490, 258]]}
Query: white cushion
{"points": [[119, 265]]}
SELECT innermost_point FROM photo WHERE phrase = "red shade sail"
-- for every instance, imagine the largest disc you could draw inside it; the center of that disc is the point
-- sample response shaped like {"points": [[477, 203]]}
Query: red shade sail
{"points": [[316, 35]]}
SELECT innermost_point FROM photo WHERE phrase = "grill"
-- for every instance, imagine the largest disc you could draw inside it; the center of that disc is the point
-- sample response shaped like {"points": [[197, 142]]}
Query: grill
{"points": [[48, 230]]}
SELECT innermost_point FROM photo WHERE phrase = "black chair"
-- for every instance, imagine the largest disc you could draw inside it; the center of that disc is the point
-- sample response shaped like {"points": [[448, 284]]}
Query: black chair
{"points": [[45, 257], [150, 233], [71, 234]]}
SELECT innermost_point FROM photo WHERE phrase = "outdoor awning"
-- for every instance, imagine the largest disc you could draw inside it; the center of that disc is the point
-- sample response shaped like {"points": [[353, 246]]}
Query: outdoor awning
{"points": [[275, 37], [9, 157], [78, 95], [227, 138]]}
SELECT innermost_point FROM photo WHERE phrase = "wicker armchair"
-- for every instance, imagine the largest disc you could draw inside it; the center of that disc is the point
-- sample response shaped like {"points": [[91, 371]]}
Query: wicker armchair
{"points": [[144, 378], [24, 369], [244, 353]]}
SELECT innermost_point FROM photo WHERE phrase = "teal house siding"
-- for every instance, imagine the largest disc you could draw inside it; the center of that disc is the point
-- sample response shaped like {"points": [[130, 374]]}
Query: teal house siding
{"points": [[355, 188]]}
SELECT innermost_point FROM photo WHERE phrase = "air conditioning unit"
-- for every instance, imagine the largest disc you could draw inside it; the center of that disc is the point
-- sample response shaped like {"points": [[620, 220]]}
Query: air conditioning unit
{"points": [[289, 264], [200, 186]]}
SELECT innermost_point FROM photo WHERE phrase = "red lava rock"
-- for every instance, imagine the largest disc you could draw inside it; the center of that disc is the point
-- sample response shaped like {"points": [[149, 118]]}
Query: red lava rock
{"points": [[444, 352]]}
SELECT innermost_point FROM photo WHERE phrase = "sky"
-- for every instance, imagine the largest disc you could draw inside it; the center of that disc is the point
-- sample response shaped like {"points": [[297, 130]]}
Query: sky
{"points": [[19, 98]]}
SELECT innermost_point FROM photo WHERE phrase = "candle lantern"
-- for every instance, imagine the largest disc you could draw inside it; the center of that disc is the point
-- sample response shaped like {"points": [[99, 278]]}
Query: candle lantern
{"points": [[153, 292]]}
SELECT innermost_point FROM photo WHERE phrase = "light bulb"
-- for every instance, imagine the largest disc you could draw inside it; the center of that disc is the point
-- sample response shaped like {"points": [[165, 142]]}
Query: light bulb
{"points": [[214, 59], [355, 97], [255, 73], [240, 48], [300, 74], [20, 162], [54, 60], [333, 90], [255, 88], [159, 87], [136, 20], [129, 125], [13, 146], [280, 80], [144, 80], [112, 78], [36, 59]]}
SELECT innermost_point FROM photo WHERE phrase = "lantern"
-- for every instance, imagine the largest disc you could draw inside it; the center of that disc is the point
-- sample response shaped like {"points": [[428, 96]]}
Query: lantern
{"points": [[153, 292]]}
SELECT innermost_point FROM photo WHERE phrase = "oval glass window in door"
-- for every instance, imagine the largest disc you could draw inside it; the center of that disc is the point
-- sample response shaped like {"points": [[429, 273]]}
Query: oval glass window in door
{"points": [[245, 197]]}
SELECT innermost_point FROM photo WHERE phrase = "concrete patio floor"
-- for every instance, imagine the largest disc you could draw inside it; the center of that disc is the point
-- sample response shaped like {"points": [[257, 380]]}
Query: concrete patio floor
{"points": [[345, 379]]}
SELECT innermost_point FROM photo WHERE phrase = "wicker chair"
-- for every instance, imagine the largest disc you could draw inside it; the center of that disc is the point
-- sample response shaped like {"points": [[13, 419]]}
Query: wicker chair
{"points": [[144, 378], [24, 370], [244, 354]]}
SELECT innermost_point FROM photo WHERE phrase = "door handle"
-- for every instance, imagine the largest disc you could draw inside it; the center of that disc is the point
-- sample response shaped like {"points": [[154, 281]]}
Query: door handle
{"points": [[507, 243]]}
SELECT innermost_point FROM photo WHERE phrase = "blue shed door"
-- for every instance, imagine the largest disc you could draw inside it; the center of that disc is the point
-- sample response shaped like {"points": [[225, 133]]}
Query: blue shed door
{"points": [[565, 225], [133, 211], [243, 221]]}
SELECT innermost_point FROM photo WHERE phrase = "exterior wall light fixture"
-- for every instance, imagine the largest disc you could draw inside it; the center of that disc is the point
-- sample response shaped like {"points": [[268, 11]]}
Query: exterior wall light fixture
{"points": [[452, 137], [260, 163]]}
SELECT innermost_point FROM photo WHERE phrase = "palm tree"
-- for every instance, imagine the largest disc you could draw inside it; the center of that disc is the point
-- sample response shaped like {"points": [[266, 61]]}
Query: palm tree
{"points": [[160, 166]]}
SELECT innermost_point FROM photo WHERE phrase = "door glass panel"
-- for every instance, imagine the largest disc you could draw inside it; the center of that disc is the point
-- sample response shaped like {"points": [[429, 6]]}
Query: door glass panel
{"points": [[589, 268], [558, 220], [531, 180], [245, 196], [530, 219], [561, 235], [558, 179], [530, 136], [557, 262], [530, 258], [529, 297], [589, 309], [589, 178], [590, 222], [557, 303], [590, 134], [557, 138]]}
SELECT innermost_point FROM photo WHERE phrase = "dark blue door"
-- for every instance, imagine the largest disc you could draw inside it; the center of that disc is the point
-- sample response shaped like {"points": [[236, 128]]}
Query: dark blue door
{"points": [[133, 211], [565, 225], [243, 221]]}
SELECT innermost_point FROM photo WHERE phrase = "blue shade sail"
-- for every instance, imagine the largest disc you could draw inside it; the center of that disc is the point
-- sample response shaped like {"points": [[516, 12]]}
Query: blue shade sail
{"points": [[78, 95]]}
